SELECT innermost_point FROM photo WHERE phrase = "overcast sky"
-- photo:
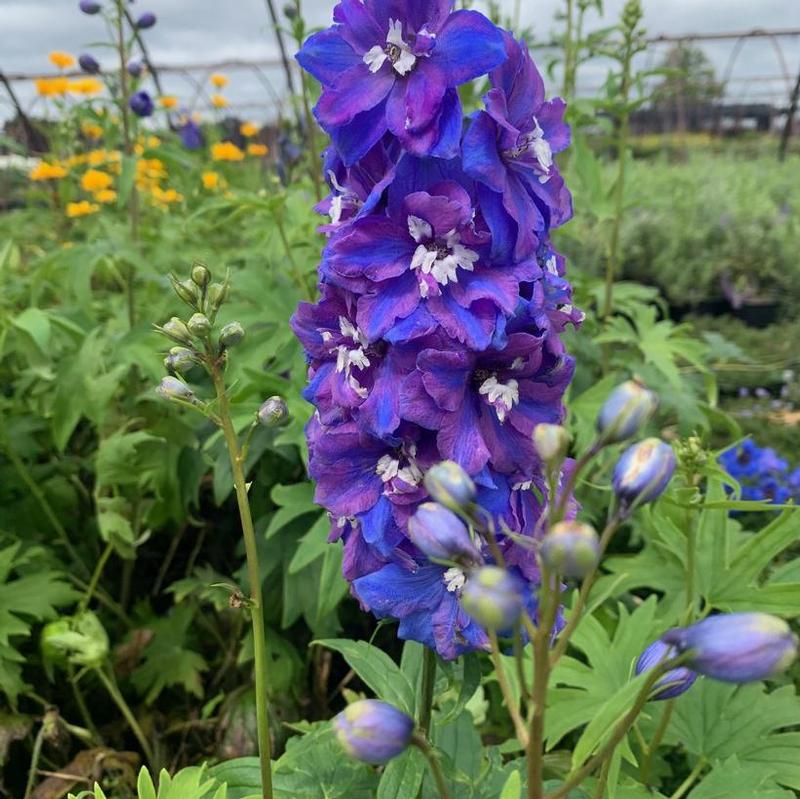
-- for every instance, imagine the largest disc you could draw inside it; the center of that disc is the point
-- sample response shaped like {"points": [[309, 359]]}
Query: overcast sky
{"points": [[201, 31]]}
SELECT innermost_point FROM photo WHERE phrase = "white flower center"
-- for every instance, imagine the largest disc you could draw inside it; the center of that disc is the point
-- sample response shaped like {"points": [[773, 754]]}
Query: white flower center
{"points": [[535, 143], [438, 258], [454, 580], [501, 396], [388, 467], [345, 198], [396, 51], [347, 357]]}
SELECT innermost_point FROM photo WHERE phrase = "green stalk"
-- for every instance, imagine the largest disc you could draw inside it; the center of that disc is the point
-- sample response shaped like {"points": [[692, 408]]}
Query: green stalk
{"points": [[426, 690], [505, 688], [36, 754], [436, 769], [691, 779], [254, 577], [98, 571]]}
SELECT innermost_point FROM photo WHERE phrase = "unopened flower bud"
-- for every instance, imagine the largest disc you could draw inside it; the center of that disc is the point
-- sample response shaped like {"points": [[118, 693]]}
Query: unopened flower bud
{"points": [[551, 442], [180, 360], [146, 20], [674, 682], [80, 640], [643, 472], [625, 412], [492, 597], [141, 104], [199, 325], [290, 11], [200, 275], [187, 291], [438, 533], [231, 334], [135, 68], [172, 388], [273, 412], [373, 731], [177, 331], [736, 647], [571, 548], [450, 485], [217, 294], [88, 63], [89, 6]]}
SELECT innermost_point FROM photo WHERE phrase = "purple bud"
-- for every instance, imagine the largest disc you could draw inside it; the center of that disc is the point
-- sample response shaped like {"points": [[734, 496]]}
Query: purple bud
{"points": [[450, 485], [180, 360], [492, 597], [675, 682], [176, 330], [736, 647], [373, 731], [88, 63], [643, 471], [571, 548], [438, 533], [625, 412], [172, 388], [89, 6], [551, 442], [135, 68], [273, 411], [191, 136], [141, 104], [145, 21]]}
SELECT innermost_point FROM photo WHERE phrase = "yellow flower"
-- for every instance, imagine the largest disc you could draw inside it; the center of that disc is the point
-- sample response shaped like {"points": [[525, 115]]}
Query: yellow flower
{"points": [[168, 101], [52, 87], [153, 142], [91, 130], [86, 86], [96, 157], [82, 208], [219, 81], [218, 101], [45, 171], [165, 197], [105, 196], [210, 180], [226, 151], [248, 129], [95, 180], [61, 60], [259, 150]]}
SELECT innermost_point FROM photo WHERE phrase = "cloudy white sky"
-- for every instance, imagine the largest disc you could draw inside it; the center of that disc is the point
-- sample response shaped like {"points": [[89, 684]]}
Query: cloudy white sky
{"points": [[192, 31]]}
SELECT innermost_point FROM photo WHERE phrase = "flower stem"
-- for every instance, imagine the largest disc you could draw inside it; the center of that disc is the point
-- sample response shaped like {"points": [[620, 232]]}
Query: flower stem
{"points": [[505, 688], [426, 690], [35, 755], [98, 572], [691, 779], [111, 686], [254, 577], [655, 742], [433, 762]]}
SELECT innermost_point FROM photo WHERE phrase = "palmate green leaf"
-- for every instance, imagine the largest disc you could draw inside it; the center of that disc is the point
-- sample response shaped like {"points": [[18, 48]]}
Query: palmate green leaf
{"points": [[403, 776], [718, 720], [377, 670], [312, 545], [732, 779], [293, 501]]}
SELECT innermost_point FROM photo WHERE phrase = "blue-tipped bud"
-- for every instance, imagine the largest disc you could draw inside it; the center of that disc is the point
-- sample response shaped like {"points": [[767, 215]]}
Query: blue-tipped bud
{"points": [[89, 6], [199, 324], [171, 388], [145, 21], [231, 334], [571, 549], [177, 331], [676, 681], [450, 485], [492, 597], [643, 471], [625, 412], [438, 533], [373, 731], [273, 412], [135, 68], [551, 442], [141, 104], [88, 63], [180, 360], [736, 647]]}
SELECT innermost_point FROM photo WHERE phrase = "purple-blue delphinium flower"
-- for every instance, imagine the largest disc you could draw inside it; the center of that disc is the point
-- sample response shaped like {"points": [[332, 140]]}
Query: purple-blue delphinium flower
{"points": [[141, 104], [763, 475], [394, 65], [190, 134], [442, 301]]}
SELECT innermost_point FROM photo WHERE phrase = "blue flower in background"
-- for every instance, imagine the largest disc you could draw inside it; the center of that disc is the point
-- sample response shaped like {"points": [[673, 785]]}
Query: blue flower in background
{"points": [[763, 475]]}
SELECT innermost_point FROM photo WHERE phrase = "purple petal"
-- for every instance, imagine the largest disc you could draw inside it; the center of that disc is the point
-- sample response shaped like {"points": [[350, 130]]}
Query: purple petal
{"points": [[326, 55], [460, 438], [359, 27], [472, 325], [356, 90], [354, 140], [424, 92], [468, 46], [481, 158], [392, 299], [445, 375], [374, 247]]}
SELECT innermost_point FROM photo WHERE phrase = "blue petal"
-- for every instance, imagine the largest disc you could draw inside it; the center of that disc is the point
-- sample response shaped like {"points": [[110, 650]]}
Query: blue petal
{"points": [[326, 55]]}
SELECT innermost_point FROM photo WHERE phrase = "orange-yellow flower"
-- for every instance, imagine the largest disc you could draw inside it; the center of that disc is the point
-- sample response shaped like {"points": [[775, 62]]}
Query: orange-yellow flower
{"points": [[219, 81], [218, 101], [153, 142], [210, 180], [86, 86], [95, 180], [259, 150], [91, 130], [226, 151], [82, 208], [52, 87], [61, 60], [165, 197], [248, 129], [45, 171], [105, 196], [168, 101]]}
